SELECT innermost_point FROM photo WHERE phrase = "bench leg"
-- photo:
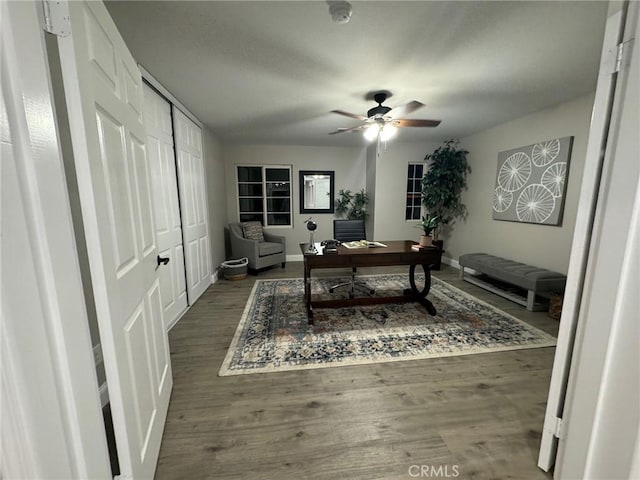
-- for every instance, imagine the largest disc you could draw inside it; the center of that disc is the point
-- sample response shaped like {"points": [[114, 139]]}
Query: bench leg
{"points": [[531, 298], [461, 273]]}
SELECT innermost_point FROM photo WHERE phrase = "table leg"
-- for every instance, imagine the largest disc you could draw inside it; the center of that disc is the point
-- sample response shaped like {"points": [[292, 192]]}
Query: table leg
{"points": [[307, 293], [421, 295]]}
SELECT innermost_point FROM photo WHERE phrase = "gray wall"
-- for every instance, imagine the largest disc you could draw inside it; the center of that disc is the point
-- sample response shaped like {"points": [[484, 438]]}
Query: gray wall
{"points": [[540, 245], [348, 163], [391, 180], [371, 159], [216, 196]]}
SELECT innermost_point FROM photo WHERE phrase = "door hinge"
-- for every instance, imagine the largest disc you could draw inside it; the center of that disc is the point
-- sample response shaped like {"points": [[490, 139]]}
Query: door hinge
{"points": [[558, 428], [56, 17], [622, 57], [617, 58]]}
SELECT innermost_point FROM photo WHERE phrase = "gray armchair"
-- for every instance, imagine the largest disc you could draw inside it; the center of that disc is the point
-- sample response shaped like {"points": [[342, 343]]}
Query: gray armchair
{"points": [[261, 254]]}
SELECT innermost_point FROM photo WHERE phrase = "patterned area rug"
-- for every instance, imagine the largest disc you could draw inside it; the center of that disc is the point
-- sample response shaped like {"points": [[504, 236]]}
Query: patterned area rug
{"points": [[274, 336]]}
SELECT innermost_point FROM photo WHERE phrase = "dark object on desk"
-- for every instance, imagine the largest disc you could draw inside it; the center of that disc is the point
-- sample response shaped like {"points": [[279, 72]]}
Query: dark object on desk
{"points": [[330, 246]]}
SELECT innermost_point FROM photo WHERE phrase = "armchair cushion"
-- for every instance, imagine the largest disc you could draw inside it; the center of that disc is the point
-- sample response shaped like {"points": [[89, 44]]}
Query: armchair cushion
{"points": [[253, 231], [269, 248]]}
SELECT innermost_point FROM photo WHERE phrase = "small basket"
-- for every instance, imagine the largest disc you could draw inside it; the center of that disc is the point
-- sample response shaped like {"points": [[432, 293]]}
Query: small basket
{"points": [[235, 269], [555, 305]]}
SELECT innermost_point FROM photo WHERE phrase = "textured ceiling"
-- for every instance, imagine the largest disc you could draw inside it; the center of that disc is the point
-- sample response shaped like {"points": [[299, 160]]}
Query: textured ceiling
{"points": [[269, 72]]}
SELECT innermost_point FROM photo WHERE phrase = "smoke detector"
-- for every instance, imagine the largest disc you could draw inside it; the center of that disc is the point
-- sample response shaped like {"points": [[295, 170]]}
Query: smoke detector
{"points": [[340, 11]]}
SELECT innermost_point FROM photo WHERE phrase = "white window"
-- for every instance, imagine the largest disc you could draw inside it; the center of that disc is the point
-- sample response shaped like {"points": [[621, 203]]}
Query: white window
{"points": [[264, 194], [414, 191]]}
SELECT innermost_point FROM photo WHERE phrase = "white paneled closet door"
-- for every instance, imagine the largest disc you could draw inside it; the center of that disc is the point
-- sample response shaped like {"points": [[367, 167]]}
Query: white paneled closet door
{"points": [[103, 89], [193, 204], [164, 183]]}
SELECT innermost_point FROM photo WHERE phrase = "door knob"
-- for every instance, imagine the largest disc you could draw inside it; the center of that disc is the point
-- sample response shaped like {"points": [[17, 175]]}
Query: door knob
{"points": [[162, 260]]}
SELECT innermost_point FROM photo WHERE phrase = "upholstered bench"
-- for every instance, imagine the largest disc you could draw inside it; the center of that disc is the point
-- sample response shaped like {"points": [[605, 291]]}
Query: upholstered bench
{"points": [[534, 280]]}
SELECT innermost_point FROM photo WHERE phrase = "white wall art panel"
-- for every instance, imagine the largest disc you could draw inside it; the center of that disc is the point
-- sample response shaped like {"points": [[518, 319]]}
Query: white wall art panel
{"points": [[531, 182]]}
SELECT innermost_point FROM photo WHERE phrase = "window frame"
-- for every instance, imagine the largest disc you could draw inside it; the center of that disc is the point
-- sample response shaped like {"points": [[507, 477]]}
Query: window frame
{"points": [[413, 192], [265, 198]]}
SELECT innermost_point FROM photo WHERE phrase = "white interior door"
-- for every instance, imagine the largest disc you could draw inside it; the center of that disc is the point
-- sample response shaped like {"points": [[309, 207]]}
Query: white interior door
{"points": [[193, 204], [602, 407], [104, 95], [582, 238], [164, 184]]}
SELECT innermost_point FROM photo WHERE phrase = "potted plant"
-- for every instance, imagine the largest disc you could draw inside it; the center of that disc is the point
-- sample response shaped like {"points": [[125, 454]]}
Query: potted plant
{"points": [[352, 206], [428, 224], [443, 184]]}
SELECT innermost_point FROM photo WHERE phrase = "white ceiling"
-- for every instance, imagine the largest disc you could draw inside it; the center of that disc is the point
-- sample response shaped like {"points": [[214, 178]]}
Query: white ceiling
{"points": [[270, 72]]}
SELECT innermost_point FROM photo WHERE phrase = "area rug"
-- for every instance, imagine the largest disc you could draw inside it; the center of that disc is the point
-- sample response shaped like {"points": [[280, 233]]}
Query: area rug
{"points": [[274, 336]]}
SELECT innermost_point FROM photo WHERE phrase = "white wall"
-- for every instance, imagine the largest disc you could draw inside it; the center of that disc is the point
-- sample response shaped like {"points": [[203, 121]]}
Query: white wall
{"points": [[540, 245], [370, 182], [216, 195], [348, 163], [391, 189]]}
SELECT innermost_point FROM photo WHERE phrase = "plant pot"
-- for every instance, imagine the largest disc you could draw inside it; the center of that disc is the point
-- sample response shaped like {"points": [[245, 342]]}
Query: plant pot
{"points": [[426, 240]]}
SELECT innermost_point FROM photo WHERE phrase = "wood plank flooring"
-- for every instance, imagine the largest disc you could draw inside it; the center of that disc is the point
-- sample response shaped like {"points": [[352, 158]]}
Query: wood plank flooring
{"points": [[479, 416]]}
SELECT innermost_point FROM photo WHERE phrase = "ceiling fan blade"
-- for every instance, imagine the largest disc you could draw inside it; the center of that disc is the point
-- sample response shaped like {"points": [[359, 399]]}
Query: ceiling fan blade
{"points": [[352, 129], [410, 122], [405, 109], [350, 115]]}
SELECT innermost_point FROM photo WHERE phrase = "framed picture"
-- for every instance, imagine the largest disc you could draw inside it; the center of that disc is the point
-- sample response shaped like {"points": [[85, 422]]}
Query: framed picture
{"points": [[316, 191], [531, 182]]}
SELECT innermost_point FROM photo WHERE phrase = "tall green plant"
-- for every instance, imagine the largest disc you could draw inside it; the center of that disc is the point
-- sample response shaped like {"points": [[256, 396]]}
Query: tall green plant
{"points": [[352, 206], [444, 182]]}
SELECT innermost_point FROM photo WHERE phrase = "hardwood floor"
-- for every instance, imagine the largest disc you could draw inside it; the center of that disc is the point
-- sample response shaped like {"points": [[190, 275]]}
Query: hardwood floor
{"points": [[479, 416]]}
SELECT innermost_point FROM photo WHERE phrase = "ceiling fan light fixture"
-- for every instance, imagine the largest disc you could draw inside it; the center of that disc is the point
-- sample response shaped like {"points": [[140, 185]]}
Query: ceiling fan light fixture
{"points": [[382, 122], [388, 132], [371, 132]]}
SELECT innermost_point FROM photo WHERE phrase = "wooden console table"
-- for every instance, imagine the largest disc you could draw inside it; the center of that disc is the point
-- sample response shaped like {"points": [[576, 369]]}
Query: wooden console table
{"points": [[397, 252]]}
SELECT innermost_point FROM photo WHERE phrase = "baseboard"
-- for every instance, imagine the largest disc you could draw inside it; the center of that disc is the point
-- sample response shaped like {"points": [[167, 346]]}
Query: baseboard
{"points": [[178, 318], [104, 394], [455, 264], [295, 258], [451, 262], [215, 276]]}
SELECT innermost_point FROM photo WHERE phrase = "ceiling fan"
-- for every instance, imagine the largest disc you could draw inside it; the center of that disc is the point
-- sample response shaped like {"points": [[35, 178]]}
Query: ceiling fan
{"points": [[384, 120]]}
